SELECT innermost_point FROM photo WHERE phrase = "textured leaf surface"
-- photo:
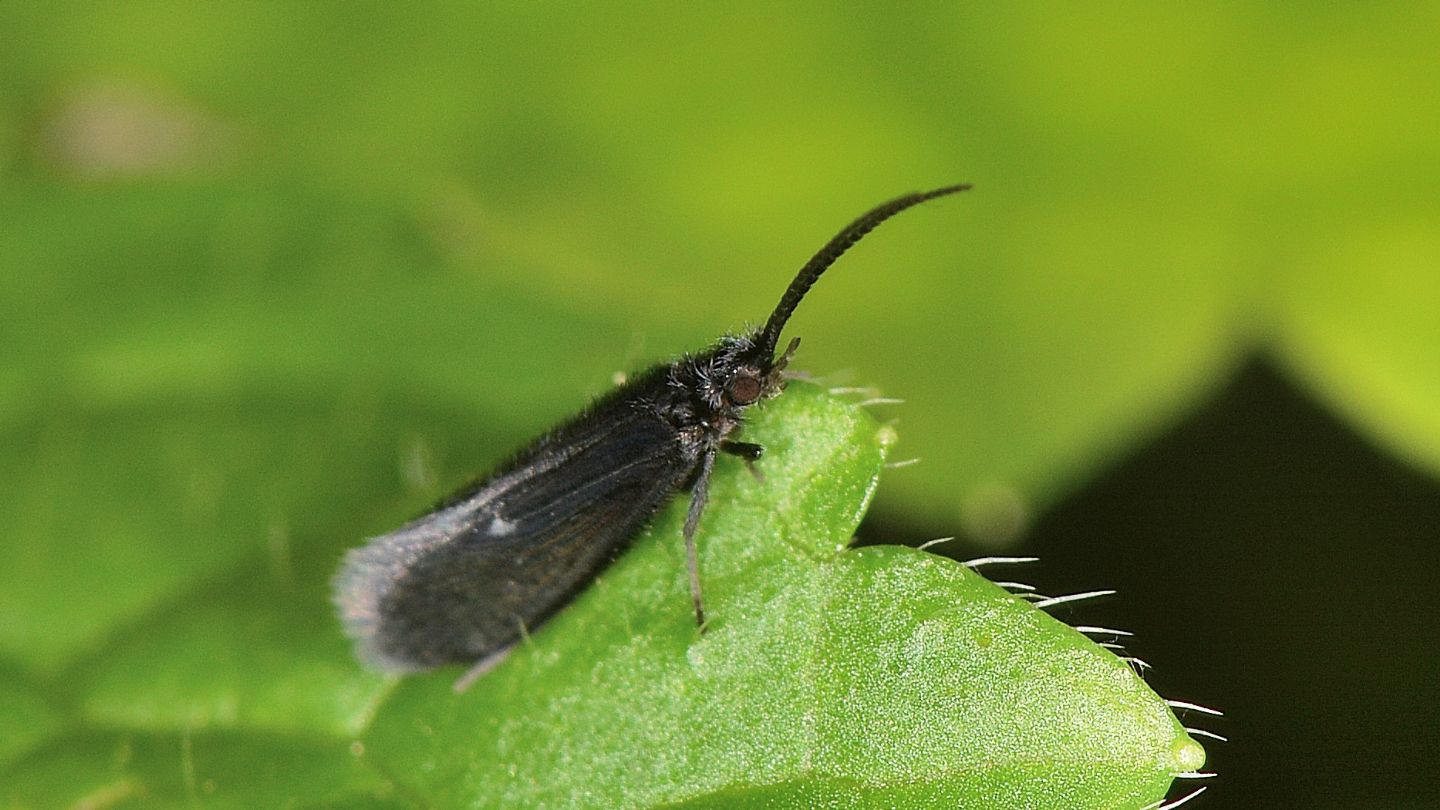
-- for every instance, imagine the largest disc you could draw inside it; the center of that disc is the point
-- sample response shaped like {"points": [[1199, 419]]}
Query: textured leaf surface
{"points": [[885, 675]]}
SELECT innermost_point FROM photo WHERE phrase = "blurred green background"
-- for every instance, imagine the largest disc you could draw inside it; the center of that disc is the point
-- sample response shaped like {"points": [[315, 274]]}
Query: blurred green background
{"points": [[269, 270]]}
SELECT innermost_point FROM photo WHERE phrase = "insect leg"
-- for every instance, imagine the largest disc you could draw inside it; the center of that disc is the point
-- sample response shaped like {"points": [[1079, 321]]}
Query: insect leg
{"points": [[784, 359], [777, 376], [750, 452], [746, 450], [698, 496], [481, 667]]}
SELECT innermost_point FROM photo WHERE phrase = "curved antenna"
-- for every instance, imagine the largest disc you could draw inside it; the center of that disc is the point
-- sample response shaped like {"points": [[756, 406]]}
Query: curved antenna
{"points": [[767, 338]]}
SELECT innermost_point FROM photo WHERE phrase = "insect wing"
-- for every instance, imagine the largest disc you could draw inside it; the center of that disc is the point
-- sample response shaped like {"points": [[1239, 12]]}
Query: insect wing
{"points": [[460, 583]]}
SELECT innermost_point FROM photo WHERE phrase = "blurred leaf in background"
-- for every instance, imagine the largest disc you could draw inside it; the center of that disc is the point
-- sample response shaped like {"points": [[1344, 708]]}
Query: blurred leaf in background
{"points": [[273, 275]]}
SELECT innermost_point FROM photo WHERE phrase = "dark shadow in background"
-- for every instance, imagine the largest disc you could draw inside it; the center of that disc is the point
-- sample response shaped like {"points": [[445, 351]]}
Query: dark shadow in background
{"points": [[1274, 565]]}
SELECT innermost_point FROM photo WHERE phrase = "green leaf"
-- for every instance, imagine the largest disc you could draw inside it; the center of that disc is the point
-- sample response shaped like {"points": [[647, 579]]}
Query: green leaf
{"points": [[185, 770], [26, 718], [884, 675], [1368, 343], [1153, 200], [876, 677], [176, 440]]}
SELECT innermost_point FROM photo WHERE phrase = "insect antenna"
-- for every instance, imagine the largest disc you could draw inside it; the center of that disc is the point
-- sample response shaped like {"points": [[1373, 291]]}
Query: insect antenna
{"points": [[768, 337]]}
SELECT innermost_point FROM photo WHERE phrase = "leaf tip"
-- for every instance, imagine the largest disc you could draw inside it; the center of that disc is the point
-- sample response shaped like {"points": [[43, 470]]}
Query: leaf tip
{"points": [[886, 436], [1186, 755]]}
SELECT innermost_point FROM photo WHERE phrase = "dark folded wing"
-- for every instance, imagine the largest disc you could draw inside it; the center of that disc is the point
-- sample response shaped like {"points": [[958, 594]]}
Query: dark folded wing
{"points": [[458, 584]]}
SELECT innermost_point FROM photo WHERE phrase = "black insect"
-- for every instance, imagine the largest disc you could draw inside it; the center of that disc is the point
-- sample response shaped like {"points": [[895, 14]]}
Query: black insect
{"points": [[502, 555]]}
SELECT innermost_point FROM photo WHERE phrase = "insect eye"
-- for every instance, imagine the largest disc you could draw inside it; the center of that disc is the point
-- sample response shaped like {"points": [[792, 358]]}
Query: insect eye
{"points": [[744, 389]]}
